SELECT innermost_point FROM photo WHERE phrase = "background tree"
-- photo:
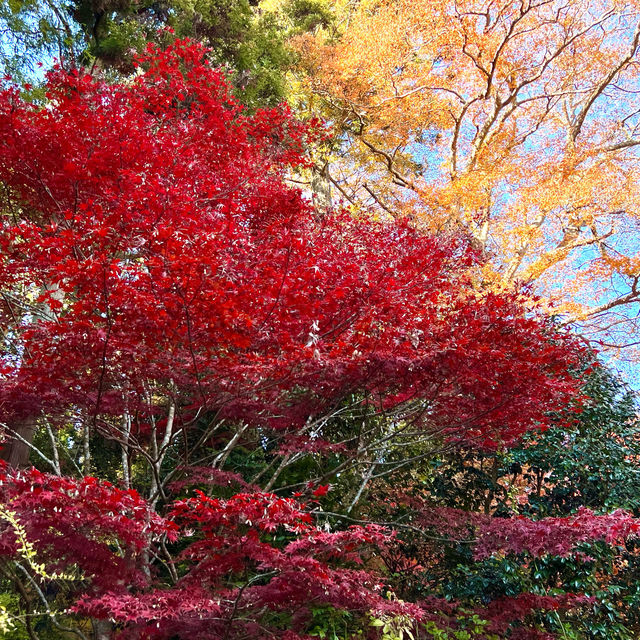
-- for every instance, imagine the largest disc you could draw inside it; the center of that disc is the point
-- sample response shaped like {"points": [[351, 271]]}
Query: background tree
{"points": [[242, 37], [515, 121], [32, 32]]}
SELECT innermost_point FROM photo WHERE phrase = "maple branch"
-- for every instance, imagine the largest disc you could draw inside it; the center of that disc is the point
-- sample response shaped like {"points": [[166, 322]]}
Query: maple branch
{"points": [[236, 601], [365, 480], [576, 127], [395, 466], [522, 251], [31, 446], [124, 446], [54, 446], [626, 144], [466, 52], [27, 603], [494, 61], [453, 173], [399, 179], [158, 453], [411, 92], [632, 296], [192, 353], [221, 458], [11, 299], [567, 244], [612, 345], [214, 425], [170, 562], [339, 187], [376, 199], [103, 370], [397, 524]]}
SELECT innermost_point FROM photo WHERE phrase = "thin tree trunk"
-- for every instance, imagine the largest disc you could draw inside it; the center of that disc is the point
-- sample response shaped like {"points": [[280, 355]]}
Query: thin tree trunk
{"points": [[102, 629], [16, 450], [321, 189]]}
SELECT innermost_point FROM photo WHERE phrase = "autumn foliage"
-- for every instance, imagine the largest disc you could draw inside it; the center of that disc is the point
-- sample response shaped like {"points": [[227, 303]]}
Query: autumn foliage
{"points": [[169, 256], [515, 121], [166, 292]]}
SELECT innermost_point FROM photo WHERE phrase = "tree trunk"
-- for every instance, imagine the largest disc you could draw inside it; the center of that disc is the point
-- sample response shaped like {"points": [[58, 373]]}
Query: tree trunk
{"points": [[321, 189], [102, 629], [16, 450]]}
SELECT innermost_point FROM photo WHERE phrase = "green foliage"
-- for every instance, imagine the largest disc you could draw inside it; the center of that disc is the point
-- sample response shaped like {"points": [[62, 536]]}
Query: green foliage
{"points": [[35, 31], [332, 624], [248, 40], [471, 627], [306, 15], [591, 465], [552, 474], [10, 628]]}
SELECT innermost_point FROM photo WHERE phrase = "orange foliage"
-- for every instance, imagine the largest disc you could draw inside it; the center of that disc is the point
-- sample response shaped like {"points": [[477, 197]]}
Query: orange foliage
{"points": [[517, 120]]}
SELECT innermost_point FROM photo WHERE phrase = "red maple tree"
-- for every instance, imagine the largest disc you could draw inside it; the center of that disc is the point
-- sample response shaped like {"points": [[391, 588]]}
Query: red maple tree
{"points": [[153, 221], [156, 268]]}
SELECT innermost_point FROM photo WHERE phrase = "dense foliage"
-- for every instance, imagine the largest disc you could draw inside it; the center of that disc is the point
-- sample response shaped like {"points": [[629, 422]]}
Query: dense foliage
{"points": [[514, 120], [250, 417], [249, 43], [549, 475]]}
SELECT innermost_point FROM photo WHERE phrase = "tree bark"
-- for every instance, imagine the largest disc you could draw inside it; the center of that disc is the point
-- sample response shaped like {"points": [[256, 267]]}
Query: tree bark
{"points": [[102, 629], [16, 450]]}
